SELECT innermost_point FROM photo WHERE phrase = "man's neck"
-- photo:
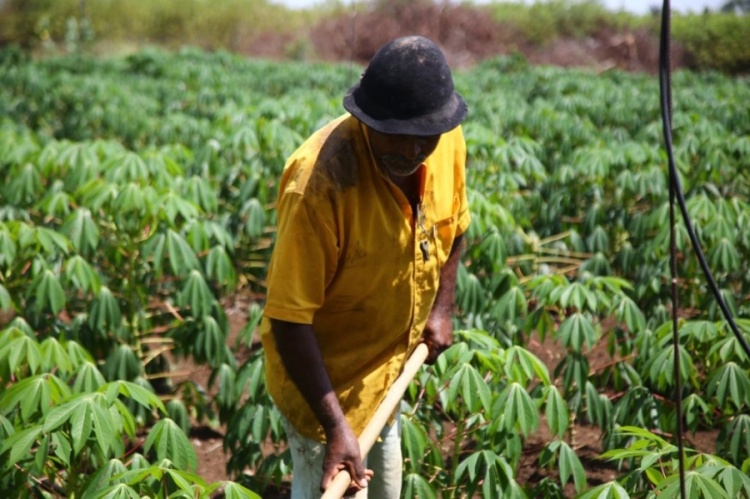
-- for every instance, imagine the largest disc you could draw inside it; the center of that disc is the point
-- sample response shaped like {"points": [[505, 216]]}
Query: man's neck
{"points": [[409, 185]]}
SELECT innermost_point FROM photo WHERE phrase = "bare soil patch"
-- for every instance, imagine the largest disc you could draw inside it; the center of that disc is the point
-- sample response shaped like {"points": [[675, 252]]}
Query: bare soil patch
{"points": [[467, 35]]}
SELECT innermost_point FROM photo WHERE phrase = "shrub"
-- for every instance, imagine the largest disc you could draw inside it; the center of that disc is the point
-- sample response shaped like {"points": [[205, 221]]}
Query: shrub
{"points": [[715, 41]]}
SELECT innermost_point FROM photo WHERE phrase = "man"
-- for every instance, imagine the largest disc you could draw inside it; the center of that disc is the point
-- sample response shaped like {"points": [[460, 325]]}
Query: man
{"points": [[371, 212]]}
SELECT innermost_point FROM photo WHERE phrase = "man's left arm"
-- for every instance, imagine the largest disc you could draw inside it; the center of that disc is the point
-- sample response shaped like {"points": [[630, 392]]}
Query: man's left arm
{"points": [[438, 332]]}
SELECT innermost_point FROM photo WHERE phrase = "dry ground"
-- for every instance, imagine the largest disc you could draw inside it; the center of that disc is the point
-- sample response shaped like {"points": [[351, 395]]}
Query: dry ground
{"points": [[467, 36], [586, 439]]}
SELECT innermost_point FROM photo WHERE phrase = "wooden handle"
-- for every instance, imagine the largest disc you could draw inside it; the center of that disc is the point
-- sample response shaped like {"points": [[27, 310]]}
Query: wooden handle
{"points": [[370, 434]]}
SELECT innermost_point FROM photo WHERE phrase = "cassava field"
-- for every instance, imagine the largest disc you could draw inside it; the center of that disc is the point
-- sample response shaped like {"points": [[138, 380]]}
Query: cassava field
{"points": [[138, 203]]}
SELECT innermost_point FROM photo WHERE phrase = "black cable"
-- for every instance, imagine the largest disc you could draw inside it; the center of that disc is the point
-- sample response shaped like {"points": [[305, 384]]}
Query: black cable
{"points": [[666, 84], [674, 177]]}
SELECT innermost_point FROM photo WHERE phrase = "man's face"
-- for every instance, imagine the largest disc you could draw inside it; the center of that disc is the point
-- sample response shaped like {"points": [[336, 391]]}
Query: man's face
{"points": [[401, 155]]}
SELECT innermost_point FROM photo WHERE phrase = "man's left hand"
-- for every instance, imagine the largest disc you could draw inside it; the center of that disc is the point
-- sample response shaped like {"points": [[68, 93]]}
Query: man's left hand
{"points": [[437, 335]]}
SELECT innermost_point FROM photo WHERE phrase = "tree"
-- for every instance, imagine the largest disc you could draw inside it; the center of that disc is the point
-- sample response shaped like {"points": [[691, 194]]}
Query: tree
{"points": [[737, 6]]}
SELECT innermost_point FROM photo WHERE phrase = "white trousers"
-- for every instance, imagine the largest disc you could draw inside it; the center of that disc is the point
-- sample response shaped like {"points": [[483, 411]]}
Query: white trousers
{"points": [[384, 460]]}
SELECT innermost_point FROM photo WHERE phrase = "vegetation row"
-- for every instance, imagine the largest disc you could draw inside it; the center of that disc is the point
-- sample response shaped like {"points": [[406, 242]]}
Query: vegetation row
{"points": [[140, 194], [336, 30]]}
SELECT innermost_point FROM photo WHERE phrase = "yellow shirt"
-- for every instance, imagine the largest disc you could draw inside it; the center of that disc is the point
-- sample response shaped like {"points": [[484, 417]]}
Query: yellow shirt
{"points": [[347, 260]]}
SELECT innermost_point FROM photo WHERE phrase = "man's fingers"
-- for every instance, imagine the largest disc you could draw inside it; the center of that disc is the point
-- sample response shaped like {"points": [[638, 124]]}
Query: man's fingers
{"points": [[359, 479], [354, 488], [360, 475], [329, 472]]}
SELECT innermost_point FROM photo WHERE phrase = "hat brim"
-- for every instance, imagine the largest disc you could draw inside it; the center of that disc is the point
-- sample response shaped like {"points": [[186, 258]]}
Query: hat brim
{"points": [[443, 120]]}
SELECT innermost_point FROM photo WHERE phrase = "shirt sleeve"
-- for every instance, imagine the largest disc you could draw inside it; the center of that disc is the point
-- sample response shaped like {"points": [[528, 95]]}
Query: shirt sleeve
{"points": [[304, 258], [463, 215]]}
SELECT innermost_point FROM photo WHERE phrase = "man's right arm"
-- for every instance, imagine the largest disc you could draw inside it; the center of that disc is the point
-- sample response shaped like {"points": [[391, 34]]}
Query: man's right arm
{"points": [[299, 351]]}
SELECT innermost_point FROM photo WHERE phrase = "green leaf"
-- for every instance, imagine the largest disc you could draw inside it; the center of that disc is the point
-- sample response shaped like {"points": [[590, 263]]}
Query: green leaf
{"points": [[227, 395], [86, 414], [468, 385], [490, 471], [734, 482], [49, 293], [570, 466], [82, 231], [198, 191], [77, 354], [81, 275], [511, 306], [7, 247], [97, 194], [20, 445], [521, 365], [178, 413], [183, 481], [153, 250], [55, 356], [33, 396], [598, 241], [172, 205], [696, 411], [696, 485], [660, 367], [518, 410], [119, 491], [204, 338], [701, 331], [254, 217], [577, 330], [234, 490], [122, 364], [20, 350], [196, 295], [493, 250], [250, 379], [556, 411], [143, 396], [469, 292], [104, 312], [629, 313], [578, 296], [611, 490], [126, 167], [103, 478], [168, 441], [735, 439], [61, 448], [416, 485], [220, 268], [81, 425], [25, 185], [6, 302], [731, 382], [46, 240], [132, 200], [724, 257], [414, 442], [181, 256], [88, 378]]}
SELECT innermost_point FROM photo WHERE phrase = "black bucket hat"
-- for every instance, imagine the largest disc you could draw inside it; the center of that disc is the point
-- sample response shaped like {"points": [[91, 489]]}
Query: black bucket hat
{"points": [[407, 89]]}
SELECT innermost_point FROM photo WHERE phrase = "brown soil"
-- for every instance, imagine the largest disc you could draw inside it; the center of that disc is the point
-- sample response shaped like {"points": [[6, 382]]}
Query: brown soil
{"points": [[585, 439], [467, 35]]}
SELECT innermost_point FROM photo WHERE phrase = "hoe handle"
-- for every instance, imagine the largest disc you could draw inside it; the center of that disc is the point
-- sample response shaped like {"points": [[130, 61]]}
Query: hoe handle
{"points": [[342, 480]]}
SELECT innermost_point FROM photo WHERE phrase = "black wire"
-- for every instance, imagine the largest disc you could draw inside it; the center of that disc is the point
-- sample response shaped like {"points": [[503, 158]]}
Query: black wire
{"points": [[666, 93], [675, 178], [675, 191]]}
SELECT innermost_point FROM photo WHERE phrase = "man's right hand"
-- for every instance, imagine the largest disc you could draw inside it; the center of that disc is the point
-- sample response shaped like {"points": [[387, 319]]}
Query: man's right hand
{"points": [[300, 353], [342, 453]]}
